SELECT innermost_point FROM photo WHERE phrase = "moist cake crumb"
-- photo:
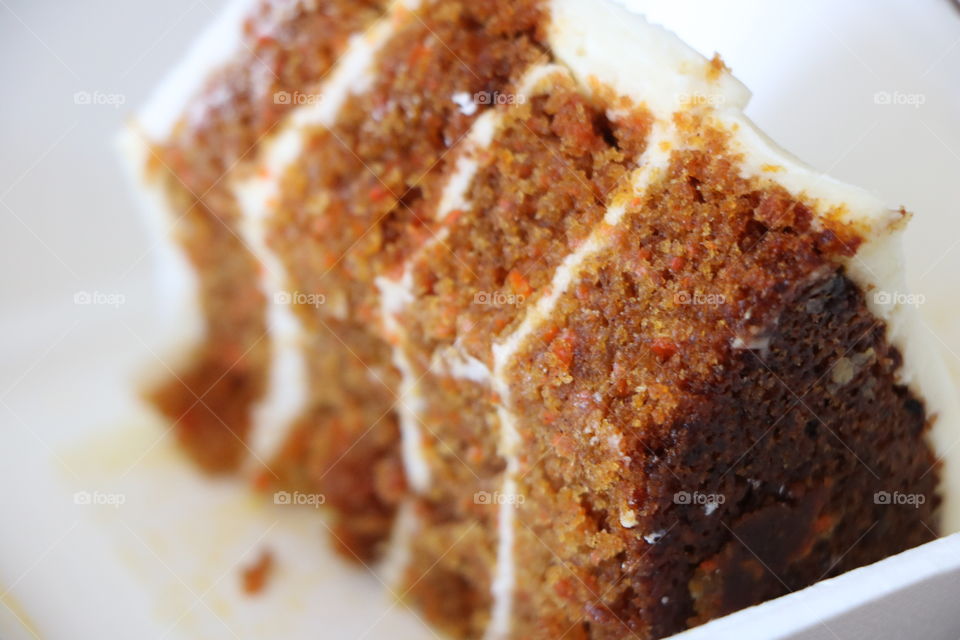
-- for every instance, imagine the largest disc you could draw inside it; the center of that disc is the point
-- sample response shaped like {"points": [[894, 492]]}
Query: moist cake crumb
{"points": [[256, 576]]}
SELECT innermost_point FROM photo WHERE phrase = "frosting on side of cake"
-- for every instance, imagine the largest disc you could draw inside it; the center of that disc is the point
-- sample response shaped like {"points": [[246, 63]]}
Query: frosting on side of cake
{"points": [[878, 268], [178, 285], [215, 47]]}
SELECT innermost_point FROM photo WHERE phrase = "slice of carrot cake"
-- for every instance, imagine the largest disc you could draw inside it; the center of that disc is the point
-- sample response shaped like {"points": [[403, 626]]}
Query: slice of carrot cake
{"points": [[561, 338]]}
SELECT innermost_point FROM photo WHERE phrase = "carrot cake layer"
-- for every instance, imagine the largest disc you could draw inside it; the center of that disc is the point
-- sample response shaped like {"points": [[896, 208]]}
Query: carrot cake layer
{"points": [[683, 459]]}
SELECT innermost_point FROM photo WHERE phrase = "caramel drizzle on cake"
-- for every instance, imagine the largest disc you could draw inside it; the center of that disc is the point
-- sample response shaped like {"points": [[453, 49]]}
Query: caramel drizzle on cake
{"points": [[497, 210]]}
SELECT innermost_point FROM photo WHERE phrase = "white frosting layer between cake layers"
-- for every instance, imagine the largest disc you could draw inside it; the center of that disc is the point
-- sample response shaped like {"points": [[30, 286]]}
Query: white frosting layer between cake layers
{"points": [[394, 297], [288, 380], [397, 295], [651, 165]]}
